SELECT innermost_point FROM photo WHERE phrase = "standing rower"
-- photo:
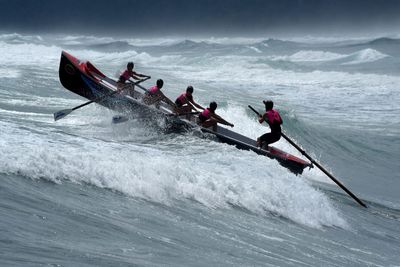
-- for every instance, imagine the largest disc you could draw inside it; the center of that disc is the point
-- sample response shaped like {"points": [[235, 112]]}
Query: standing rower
{"points": [[274, 121]]}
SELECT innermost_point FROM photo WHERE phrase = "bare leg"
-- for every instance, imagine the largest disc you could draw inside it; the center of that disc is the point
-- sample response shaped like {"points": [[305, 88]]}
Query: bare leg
{"points": [[184, 109]]}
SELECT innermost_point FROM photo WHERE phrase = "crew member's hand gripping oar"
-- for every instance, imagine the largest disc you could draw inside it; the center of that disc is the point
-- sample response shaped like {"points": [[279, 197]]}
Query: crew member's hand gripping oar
{"points": [[318, 165], [63, 113]]}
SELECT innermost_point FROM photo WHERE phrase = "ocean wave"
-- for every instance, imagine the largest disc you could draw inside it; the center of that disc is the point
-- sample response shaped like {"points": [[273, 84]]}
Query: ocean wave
{"points": [[364, 56], [82, 40], [117, 46], [311, 56], [255, 49], [15, 38], [129, 168], [383, 41], [23, 54], [9, 72]]}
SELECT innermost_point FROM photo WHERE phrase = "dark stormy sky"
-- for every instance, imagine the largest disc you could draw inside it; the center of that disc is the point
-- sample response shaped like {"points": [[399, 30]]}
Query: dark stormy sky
{"points": [[201, 17]]}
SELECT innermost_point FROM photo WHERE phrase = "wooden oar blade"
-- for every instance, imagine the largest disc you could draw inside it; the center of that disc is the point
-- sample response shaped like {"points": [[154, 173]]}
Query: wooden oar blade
{"points": [[61, 114]]}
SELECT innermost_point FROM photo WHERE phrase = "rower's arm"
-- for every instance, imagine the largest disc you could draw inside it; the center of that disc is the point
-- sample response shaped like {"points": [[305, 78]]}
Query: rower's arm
{"points": [[221, 120], [196, 105], [135, 75], [167, 100]]}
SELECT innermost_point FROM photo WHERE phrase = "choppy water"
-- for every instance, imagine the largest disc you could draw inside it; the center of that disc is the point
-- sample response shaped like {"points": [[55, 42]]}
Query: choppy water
{"points": [[85, 192]]}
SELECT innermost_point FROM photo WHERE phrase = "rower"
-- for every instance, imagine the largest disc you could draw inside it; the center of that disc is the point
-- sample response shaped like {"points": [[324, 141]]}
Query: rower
{"points": [[185, 102], [208, 118], [154, 96], [126, 75], [274, 121]]}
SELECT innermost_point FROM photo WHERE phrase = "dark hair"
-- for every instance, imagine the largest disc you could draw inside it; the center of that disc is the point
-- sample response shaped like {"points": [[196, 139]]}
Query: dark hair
{"points": [[189, 89], [130, 64], [268, 104], [160, 83], [213, 105]]}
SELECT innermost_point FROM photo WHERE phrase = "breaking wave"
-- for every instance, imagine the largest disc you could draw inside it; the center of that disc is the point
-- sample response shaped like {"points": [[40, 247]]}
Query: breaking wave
{"points": [[359, 57]]}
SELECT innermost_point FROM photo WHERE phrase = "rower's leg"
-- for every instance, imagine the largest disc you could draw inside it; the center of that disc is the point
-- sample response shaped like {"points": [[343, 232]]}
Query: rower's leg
{"points": [[131, 90]]}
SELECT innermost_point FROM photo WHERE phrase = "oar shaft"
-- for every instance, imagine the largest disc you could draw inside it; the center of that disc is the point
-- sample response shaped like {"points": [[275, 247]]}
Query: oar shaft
{"points": [[108, 95], [62, 113], [94, 100], [141, 87], [325, 171], [318, 165], [183, 114]]}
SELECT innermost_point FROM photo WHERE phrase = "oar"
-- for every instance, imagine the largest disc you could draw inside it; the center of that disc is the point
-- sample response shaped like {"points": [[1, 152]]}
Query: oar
{"points": [[63, 113], [138, 85], [318, 165], [186, 113]]}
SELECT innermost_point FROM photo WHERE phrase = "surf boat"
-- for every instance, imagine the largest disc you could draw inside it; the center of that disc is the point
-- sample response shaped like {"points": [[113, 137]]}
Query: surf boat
{"points": [[84, 79]]}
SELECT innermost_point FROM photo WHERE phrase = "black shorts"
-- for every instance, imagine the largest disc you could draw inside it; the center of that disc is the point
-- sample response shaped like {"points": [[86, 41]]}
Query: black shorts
{"points": [[178, 103], [270, 138], [121, 79]]}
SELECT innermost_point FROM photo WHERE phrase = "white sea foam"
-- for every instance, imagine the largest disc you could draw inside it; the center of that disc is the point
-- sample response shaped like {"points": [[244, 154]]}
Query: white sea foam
{"points": [[359, 57], [255, 49], [29, 54], [207, 177], [16, 38], [312, 56], [6, 72], [364, 56]]}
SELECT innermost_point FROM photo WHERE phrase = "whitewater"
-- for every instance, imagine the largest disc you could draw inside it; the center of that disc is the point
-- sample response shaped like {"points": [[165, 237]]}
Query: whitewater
{"points": [[83, 191]]}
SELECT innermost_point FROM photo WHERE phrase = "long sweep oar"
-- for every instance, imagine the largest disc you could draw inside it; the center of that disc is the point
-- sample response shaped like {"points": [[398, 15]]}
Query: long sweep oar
{"points": [[63, 113], [141, 87], [183, 114], [318, 165]]}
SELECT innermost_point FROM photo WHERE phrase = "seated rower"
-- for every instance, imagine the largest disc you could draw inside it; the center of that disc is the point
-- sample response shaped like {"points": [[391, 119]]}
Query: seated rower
{"points": [[185, 102], [126, 75], [154, 96], [208, 118], [274, 121]]}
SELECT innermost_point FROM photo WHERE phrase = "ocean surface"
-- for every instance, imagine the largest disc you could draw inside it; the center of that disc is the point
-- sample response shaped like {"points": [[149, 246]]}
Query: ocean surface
{"points": [[83, 191]]}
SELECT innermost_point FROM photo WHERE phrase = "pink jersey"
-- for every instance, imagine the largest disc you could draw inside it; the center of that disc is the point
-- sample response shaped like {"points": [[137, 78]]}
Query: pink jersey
{"points": [[273, 117], [205, 115], [181, 99], [153, 90], [127, 74]]}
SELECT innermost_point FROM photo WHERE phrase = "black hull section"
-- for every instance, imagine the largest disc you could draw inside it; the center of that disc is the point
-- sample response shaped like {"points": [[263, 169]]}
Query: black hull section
{"points": [[245, 143], [71, 78]]}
